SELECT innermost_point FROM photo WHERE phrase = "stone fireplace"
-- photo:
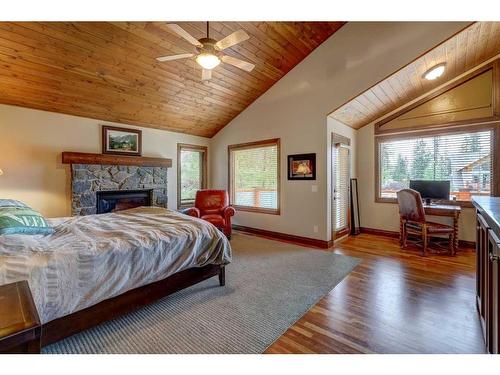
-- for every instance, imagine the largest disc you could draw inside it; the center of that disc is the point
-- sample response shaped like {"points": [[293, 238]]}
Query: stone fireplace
{"points": [[115, 182], [89, 179]]}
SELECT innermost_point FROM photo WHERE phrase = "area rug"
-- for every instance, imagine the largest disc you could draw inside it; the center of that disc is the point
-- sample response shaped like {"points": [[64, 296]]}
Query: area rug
{"points": [[269, 286]]}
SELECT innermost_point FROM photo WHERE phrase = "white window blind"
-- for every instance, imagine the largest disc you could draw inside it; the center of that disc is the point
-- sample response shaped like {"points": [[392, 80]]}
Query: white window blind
{"points": [[254, 176], [191, 174], [462, 158], [341, 190]]}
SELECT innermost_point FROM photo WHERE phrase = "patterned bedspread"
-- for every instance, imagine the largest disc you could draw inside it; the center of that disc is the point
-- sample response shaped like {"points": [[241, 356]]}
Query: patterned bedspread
{"points": [[92, 258]]}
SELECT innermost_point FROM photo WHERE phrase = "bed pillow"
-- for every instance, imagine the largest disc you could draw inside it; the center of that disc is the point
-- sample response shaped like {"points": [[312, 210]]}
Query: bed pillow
{"points": [[12, 203], [22, 220]]}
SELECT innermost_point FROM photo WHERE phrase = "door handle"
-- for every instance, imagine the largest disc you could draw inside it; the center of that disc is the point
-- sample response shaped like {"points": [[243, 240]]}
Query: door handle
{"points": [[494, 257]]}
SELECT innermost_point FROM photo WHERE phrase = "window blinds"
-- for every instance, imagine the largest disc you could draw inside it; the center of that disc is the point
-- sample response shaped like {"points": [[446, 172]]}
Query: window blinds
{"points": [[341, 187], [254, 176], [191, 174], [462, 158]]}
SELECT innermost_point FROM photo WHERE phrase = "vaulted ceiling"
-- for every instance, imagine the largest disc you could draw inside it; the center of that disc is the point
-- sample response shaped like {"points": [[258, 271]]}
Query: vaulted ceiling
{"points": [[108, 71], [461, 52]]}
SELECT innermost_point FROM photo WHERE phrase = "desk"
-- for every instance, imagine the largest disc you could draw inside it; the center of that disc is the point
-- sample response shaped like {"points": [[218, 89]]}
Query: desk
{"points": [[448, 211], [443, 210]]}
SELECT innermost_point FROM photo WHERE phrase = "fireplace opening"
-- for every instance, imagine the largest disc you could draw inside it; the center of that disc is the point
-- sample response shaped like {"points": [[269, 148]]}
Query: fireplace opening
{"points": [[118, 200]]}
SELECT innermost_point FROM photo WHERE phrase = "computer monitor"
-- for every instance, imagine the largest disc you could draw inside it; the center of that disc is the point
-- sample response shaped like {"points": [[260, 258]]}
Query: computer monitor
{"points": [[431, 189]]}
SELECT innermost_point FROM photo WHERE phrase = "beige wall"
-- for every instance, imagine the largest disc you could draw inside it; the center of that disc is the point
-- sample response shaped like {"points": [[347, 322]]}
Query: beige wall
{"points": [[31, 143], [386, 215], [295, 109]]}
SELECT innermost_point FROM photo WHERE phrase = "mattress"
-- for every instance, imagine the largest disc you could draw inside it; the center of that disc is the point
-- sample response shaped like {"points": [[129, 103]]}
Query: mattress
{"points": [[92, 258]]}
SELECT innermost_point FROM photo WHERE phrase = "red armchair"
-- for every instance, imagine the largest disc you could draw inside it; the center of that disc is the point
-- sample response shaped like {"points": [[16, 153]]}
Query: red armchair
{"points": [[213, 206]]}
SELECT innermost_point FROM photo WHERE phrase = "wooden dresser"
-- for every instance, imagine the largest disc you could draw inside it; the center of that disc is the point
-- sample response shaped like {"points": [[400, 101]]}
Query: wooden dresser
{"points": [[488, 269]]}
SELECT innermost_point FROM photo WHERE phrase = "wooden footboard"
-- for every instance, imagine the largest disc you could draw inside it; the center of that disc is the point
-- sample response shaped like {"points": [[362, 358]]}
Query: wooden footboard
{"points": [[132, 300]]}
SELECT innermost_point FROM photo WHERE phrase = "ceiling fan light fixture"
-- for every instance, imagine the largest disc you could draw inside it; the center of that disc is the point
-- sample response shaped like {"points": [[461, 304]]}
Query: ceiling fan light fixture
{"points": [[207, 60], [435, 72], [209, 50]]}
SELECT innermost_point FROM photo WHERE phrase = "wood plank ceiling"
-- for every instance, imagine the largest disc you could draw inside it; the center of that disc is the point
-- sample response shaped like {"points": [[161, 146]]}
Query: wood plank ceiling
{"points": [[108, 71], [463, 51]]}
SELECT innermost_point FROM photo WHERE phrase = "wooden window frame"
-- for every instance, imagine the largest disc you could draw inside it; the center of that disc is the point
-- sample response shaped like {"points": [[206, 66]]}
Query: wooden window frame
{"points": [[204, 150], [495, 167], [250, 145]]}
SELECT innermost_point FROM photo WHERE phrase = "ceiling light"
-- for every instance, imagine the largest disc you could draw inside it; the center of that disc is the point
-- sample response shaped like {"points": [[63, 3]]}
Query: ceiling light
{"points": [[207, 60], [435, 72]]}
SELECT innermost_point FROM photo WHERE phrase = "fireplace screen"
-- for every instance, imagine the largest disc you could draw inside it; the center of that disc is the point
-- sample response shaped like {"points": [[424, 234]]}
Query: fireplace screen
{"points": [[112, 201]]}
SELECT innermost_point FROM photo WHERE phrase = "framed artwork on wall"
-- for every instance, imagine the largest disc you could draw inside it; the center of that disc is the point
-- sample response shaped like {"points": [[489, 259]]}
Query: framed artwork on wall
{"points": [[121, 141], [302, 167]]}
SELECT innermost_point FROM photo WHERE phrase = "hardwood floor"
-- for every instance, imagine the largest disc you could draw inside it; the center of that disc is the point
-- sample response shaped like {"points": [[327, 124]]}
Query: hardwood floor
{"points": [[394, 302]]}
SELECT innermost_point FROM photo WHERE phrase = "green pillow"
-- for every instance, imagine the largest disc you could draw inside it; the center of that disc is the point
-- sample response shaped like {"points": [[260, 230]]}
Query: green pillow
{"points": [[22, 220]]}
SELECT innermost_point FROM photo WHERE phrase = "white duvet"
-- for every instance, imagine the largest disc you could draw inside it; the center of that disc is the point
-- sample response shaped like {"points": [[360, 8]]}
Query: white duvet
{"points": [[92, 258]]}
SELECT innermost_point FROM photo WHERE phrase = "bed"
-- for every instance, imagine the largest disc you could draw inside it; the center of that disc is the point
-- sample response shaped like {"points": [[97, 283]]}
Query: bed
{"points": [[93, 268]]}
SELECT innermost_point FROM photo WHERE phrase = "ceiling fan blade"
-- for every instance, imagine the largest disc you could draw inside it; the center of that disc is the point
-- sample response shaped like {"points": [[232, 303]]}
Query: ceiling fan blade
{"points": [[184, 34], [238, 63], [175, 57], [232, 39], [206, 74]]}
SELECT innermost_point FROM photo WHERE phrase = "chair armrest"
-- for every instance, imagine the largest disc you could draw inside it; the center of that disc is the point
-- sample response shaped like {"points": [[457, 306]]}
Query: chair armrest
{"points": [[228, 211], [192, 211]]}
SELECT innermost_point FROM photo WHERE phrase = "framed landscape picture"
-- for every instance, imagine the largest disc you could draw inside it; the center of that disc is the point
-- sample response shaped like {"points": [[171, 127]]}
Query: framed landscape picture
{"points": [[121, 141], [302, 167]]}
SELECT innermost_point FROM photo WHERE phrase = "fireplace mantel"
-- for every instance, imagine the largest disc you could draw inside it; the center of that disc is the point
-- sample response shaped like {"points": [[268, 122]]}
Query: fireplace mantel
{"points": [[94, 173], [106, 159]]}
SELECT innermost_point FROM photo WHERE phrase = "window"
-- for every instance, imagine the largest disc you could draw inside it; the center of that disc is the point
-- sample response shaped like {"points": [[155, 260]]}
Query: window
{"points": [[465, 159], [254, 176], [191, 172], [341, 188]]}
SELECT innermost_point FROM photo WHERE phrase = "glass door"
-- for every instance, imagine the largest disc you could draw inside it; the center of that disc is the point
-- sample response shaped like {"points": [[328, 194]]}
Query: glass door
{"points": [[340, 198]]}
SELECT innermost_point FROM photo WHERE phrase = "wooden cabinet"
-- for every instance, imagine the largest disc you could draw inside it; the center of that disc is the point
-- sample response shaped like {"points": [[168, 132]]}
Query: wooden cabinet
{"points": [[20, 327], [482, 229], [493, 292], [488, 269]]}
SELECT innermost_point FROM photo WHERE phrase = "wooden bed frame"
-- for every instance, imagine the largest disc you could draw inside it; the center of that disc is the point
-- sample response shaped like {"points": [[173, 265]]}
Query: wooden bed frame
{"points": [[129, 301]]}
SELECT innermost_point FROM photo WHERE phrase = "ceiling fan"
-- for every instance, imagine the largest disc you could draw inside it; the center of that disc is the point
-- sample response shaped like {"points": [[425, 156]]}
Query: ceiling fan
{"points": [[209, 50]]}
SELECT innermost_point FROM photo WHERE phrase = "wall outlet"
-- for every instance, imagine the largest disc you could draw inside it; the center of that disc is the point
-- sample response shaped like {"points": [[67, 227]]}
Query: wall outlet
{"points": [[315, 229], [314, 188]]}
